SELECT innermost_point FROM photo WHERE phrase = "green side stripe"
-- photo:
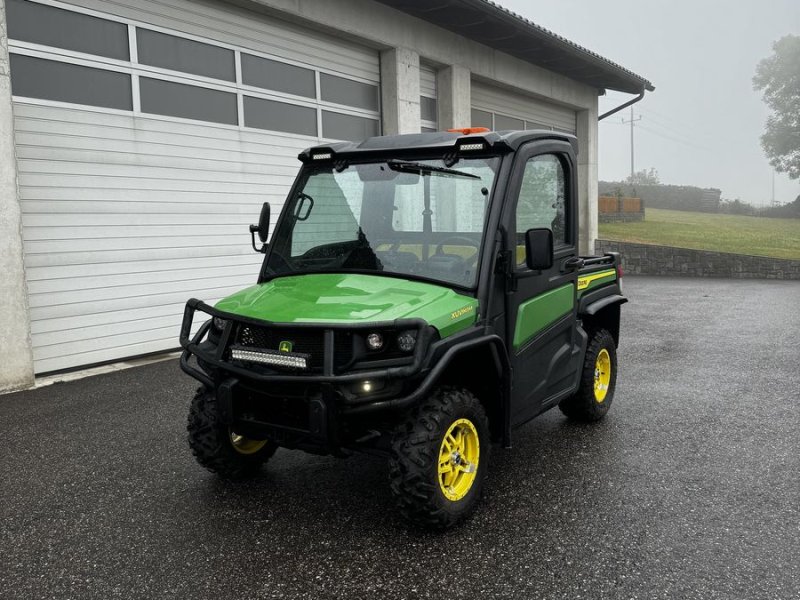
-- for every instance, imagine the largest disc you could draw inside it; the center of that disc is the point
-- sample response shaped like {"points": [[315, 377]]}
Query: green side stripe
{"points": [[540, 312]]}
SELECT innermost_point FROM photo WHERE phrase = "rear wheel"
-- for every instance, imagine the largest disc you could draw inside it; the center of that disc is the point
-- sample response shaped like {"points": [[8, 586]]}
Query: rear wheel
{"points": [[219, 448], [439, 459], [598, 379]]}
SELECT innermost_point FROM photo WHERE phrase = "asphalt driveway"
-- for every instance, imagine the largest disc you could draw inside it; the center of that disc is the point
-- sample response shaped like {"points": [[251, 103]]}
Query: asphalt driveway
{"points": [[690, 488]]}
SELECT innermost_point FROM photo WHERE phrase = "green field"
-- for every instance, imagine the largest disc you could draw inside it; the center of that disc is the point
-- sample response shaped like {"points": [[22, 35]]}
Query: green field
{"points": [[759, 236]]}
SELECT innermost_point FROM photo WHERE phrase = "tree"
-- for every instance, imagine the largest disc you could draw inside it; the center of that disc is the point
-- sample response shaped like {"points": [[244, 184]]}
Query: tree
{"points": [[644, 177], [778, 76]]}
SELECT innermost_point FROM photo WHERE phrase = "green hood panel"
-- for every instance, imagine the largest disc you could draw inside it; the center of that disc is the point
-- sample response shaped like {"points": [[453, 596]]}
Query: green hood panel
{"points": [[352, 298]]}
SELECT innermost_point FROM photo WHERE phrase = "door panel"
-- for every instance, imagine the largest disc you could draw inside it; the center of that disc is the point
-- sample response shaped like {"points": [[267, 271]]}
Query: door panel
{"points": [[542, 306], [540, 312]]}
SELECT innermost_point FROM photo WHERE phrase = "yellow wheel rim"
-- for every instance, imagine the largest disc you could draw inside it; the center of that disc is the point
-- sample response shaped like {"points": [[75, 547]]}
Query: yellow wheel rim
{"points": [[244, 445], [458, 459], [602, 375]]}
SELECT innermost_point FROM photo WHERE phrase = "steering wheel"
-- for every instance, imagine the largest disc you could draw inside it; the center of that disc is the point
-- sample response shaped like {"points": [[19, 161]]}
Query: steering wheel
{"points": [[458, 240]]}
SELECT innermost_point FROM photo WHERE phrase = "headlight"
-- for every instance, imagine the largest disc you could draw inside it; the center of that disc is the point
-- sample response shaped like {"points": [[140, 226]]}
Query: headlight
{"points": [[374, 341], [407, 340], [219, 324]]}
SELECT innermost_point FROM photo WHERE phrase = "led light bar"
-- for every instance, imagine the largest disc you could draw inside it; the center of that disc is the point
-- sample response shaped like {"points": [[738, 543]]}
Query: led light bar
{"points": [[322, 156], [471, 147], [271, 357]]}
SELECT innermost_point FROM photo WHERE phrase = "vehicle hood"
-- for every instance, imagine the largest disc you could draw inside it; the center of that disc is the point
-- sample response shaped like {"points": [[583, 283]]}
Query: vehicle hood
{"points": [[352, 298]]}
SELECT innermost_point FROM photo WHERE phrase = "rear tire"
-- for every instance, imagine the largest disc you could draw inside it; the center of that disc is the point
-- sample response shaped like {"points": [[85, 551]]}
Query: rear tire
{"points": [[598, 380], [439, 459], [218, 448]]}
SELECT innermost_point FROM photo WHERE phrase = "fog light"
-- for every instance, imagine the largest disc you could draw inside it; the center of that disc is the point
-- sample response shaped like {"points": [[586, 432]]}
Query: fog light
{"points": [[363, 388], [219, 324], [374, 341], [407, 340]]}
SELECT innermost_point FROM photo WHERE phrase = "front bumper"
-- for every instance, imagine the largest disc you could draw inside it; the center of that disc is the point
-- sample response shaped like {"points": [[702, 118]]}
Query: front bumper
{"points": [[249, 395]]}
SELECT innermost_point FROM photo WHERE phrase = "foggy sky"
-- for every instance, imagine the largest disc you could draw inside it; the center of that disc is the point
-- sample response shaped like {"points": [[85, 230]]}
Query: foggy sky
{"points": [[702, 124]]}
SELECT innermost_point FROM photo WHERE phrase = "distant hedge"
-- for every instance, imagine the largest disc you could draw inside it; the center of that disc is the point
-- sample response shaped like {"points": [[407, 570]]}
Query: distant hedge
{"points": [[675, 197]]}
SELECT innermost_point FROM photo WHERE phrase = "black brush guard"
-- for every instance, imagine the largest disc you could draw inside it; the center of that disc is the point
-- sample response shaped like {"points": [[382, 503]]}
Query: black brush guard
{"points": [[324, 407]]}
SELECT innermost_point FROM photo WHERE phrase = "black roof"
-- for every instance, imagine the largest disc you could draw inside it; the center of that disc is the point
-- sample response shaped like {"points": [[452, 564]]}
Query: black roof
{"points": [[439, 142], [492, 25]]}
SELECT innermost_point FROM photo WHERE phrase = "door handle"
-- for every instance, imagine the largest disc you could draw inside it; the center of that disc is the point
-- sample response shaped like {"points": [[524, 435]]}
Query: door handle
{"points": [[572, 264]]}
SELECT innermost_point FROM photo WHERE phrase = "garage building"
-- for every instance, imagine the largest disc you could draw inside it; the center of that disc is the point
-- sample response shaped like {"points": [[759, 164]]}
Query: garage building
{"points": [[139, 140]]}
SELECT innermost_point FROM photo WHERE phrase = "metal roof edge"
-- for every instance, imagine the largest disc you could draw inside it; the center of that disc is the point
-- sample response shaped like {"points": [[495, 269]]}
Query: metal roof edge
{"points": [[567, 44]]}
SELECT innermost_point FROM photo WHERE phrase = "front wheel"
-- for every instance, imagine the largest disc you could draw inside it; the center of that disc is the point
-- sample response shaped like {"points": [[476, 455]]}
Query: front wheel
{"points": [[219, 448], [598, 380], [439, 459]]}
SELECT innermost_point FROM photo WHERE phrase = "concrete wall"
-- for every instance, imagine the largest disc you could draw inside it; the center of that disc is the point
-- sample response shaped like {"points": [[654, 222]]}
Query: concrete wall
{"points": [[16, 359], [621, 217], [400, 91], [647, 259], [587, 179]]}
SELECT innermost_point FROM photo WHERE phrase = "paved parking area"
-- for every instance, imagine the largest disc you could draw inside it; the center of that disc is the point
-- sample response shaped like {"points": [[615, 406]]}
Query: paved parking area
{"points": [[690, 488]]}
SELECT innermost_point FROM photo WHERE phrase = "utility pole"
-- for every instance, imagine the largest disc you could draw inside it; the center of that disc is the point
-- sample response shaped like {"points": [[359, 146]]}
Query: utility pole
{"points": [[632, 121]]}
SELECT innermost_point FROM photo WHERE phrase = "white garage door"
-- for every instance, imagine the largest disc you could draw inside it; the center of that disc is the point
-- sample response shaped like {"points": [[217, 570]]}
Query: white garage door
{"points": [[500, 109], [147, 138], [428, 101]]}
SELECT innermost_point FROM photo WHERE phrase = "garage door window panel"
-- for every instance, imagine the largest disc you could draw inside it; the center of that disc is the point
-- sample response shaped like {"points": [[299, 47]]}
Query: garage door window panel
{"points": [[280, 77], [337, 126], [64, 82], [504, 123], [187, 101], [427, 108], [279, 116], [50, 26], [348, 92], [188, 56], [481, 118]]}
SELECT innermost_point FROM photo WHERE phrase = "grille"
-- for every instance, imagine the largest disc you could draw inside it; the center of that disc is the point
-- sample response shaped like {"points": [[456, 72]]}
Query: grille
{"points": [[303, 341]]}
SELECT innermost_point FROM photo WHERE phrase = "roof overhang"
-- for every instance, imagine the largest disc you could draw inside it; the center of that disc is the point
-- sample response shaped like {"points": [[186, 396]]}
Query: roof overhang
{"points": [[496, 27]]}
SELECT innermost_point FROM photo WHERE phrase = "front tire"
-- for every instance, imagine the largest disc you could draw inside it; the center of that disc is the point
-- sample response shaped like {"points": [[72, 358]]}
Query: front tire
{"points": [[220, 449], [598, 380], [440, 458]]}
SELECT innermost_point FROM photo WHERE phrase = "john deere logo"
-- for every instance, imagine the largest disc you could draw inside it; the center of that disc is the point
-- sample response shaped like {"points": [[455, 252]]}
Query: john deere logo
{"points": [[285, 347]]}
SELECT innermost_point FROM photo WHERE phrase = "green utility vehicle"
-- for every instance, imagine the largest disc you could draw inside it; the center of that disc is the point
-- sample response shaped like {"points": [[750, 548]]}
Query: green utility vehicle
{"points": [[420, 298]]}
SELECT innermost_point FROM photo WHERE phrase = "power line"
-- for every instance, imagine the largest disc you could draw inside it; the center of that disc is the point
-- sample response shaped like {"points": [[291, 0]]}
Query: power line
{"points": [[669, 130], [674, 139]]}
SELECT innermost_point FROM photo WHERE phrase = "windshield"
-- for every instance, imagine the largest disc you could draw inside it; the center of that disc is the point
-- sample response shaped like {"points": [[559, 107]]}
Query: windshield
{"points": [[412, 218]]}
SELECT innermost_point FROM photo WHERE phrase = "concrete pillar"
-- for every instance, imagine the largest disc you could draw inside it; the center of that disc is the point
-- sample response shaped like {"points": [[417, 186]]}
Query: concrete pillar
{"points": [[16, 356], [453, 87], [400, 91], [587, 179]]}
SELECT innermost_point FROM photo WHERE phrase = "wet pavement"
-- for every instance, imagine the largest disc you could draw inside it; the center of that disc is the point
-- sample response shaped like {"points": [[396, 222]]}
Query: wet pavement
{"points": [[690, 488]]}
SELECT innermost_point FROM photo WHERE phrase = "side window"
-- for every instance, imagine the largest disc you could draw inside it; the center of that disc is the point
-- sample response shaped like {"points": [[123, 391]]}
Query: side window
{"points": [[542, 201]]}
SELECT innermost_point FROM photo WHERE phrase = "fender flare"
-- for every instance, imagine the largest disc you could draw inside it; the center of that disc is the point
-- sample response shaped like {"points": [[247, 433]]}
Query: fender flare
{"points": [[598, 305], [502, 363]]}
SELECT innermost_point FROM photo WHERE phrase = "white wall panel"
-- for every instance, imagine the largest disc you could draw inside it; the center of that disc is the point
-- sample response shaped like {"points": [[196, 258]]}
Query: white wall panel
{"points": [[124, 221]]}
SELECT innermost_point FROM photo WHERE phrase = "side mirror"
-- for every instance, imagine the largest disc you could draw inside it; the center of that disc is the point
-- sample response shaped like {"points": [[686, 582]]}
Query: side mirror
{"points": [[539, 249], [262, 229]]}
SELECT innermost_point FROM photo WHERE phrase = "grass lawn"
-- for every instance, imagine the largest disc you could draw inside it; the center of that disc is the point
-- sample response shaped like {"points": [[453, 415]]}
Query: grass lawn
{"points": [[760, 236]]}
